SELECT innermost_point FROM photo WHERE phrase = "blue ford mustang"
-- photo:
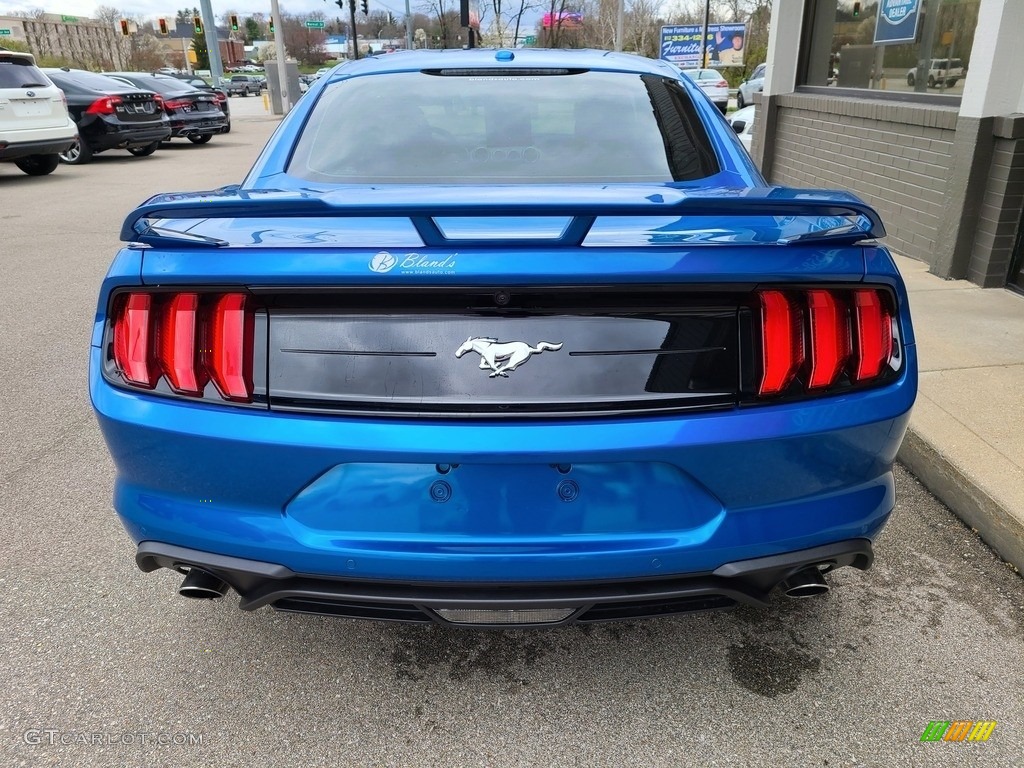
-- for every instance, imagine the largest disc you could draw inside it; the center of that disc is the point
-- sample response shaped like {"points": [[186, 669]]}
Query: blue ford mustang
{"points": [[503, 338]]}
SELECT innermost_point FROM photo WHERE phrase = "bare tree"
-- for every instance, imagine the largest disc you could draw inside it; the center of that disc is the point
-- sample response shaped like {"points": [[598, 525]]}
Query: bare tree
{"points": [[444, 21], [305, 44], [30, 13], [644, 28], [508, 19]]}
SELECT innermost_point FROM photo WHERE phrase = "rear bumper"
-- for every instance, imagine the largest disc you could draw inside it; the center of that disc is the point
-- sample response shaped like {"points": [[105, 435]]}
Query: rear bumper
{"points": [[745, 582], [123, 137], [14, 151], [654, 498], [198, 126]]}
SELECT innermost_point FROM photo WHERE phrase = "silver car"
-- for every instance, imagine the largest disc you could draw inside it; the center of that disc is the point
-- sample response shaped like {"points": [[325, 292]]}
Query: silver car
{"points": [[713, 84], [753, 84]]}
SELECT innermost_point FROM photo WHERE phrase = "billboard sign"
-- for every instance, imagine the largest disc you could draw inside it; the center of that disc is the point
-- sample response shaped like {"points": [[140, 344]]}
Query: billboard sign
{"points": [[897, 21], [568, 20], [725, 45]]}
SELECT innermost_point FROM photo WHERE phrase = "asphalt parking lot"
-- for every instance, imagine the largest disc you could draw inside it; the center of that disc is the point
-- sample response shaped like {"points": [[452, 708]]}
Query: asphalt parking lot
{"points": [[103, 665]]}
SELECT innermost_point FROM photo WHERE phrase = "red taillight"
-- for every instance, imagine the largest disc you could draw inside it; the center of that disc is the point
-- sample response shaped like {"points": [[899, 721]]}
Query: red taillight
{"points": [[106, 105], [132, 351], [846, 331], [873, 331], [180, 343], [158, 100], [783, 349], [229, 357], [189, 339], [177, 103], [830, 338], [722, 83]]}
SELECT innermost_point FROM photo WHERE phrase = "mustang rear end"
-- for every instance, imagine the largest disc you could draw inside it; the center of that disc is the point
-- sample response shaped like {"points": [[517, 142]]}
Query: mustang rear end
{"points": [[509, 404]]}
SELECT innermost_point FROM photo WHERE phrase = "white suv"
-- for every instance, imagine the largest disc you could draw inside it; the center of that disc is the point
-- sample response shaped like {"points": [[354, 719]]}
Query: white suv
{"points": [[34, 123]]}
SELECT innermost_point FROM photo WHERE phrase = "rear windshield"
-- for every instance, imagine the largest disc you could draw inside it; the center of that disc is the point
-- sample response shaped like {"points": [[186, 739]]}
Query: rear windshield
{"points": [[90, 81], [160, 84], [21, 73], [514, 126]]}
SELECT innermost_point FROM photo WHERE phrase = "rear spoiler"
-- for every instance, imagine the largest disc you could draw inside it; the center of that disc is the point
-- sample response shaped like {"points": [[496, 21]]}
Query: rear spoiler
{"points": [[543, 214]]}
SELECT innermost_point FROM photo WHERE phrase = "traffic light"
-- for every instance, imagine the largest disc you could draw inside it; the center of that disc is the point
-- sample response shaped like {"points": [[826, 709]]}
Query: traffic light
{"points": [[856, 10], [366, 7], [163, 26], [271, 26], [124, 27], [234, 23], [198, 22]]}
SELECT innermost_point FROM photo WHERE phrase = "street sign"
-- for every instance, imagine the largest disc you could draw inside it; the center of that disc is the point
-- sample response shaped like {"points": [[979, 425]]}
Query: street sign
{"points": [[897, 21], [69, 19], [315, 24], [5, 31], [530, 39]]}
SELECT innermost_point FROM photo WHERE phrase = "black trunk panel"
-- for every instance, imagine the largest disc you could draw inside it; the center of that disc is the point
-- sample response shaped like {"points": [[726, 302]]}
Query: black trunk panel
{"points": [[494, 353]]}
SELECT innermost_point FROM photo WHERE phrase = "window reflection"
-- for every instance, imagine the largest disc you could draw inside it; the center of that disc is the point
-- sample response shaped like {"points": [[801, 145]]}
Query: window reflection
{"points": [[909, 46]]}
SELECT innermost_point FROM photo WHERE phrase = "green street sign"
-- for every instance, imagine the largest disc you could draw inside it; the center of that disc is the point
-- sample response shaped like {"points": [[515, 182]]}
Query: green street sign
{"points": [[315, 24], [530, 39], [69, 18], [5, 31]]}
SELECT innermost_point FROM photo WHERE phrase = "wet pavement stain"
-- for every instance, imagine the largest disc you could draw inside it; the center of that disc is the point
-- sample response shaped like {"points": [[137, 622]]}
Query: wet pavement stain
{"points": [[419, 652], [767, 670]]}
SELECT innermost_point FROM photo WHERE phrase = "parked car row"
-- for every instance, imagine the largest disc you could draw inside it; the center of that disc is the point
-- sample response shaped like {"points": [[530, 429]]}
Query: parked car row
{"points": [[48, 115]]}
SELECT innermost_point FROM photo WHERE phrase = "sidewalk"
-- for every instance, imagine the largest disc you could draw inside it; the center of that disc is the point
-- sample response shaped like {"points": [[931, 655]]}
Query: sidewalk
{"points": [[966, 437]]}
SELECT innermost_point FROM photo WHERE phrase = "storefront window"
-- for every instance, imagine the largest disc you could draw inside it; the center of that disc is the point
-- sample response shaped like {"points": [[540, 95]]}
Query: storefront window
{"points": [[908, 46]]}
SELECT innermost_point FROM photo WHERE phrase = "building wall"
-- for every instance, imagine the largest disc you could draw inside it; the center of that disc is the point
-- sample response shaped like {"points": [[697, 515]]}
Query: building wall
{"points": [[896, 156], [85, 43], [1002, 206]]}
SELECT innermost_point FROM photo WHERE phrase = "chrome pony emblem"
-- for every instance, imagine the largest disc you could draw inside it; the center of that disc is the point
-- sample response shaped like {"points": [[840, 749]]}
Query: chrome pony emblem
{"points": [[502, 357]]}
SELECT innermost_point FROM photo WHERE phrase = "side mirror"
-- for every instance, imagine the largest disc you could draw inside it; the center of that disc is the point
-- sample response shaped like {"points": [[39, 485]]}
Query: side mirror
{"points": [[739, 125]]}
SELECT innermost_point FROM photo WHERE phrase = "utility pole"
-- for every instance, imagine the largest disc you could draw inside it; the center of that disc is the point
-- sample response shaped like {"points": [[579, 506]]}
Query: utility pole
{"points": [[704, 36], [279, 52], [352, 17], [464, 20], [408, 26], [212, 43], [620, 17]]}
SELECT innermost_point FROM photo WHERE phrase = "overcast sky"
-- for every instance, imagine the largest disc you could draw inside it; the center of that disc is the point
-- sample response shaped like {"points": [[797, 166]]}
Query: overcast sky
{"points": [[153, 9]]}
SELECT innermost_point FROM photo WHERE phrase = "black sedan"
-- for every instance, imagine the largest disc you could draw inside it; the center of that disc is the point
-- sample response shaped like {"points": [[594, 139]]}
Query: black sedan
{"points": [[199, 84], [109, 115], [194, 114]]}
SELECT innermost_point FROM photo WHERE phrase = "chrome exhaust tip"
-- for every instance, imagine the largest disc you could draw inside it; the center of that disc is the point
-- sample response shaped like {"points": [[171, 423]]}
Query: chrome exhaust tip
{"points": [[202, 585], [805, 583]]}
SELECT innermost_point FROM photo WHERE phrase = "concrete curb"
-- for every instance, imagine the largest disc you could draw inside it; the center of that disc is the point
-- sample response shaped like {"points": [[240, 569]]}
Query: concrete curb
{"points": [[1003, 532]]}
